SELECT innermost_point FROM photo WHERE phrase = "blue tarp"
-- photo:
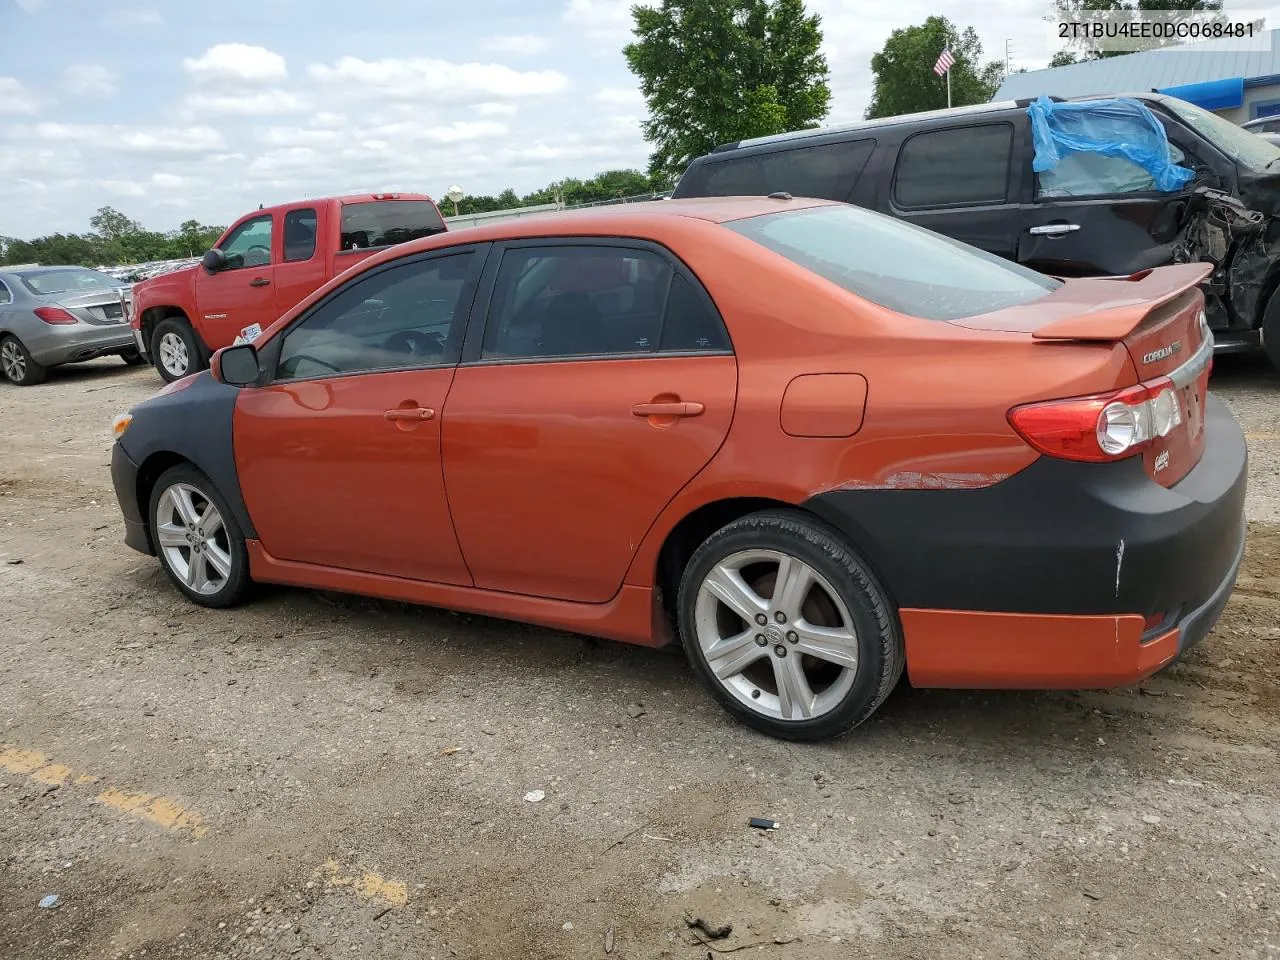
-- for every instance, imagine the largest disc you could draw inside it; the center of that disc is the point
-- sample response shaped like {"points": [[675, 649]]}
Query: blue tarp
{"points": [[1118, 127]]}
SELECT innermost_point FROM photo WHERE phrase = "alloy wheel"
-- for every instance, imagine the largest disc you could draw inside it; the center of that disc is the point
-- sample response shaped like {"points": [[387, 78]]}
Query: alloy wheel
{"points": [[191, 535], [173, 354], [12, 361], [776, 635]]}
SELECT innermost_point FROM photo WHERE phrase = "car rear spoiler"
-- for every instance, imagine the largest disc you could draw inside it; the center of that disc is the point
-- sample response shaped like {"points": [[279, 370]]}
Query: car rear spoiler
{"points": [[1136, 296]]}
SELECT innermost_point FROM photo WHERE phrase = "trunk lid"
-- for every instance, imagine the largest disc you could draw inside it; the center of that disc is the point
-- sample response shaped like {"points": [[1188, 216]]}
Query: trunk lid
{"points": [[1158, 316]]}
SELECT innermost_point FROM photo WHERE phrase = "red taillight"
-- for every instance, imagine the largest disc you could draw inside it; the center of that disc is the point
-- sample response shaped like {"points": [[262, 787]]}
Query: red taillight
{"points": [[54, 315], [1101, 427]]}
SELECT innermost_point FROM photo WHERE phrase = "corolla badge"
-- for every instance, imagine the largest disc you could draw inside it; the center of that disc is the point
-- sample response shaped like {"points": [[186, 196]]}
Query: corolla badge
{"points": [[1164, 353]]}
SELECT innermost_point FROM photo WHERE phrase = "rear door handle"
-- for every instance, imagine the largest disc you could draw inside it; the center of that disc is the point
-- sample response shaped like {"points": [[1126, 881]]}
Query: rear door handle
{"points": [[1054, 229], [410, 413], [683, 408], [260, 282]]}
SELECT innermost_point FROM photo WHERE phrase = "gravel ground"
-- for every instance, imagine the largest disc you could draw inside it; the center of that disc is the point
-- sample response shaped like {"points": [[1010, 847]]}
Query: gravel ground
{"points": [[324, 776]]}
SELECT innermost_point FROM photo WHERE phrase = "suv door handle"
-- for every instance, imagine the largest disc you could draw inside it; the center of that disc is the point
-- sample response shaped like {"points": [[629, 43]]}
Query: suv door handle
{"points": [[410, 413], [1054, 229], [259, 282], [675, 409]]}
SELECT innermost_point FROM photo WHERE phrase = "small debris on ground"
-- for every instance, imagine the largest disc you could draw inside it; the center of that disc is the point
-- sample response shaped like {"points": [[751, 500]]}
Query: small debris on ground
{"points": [[1150, 819], [608, 940], [636, 711], [1093, 894], [50, 902], [764, 823], [535, 796], [714, 932], [568, 925], [14, 563]]}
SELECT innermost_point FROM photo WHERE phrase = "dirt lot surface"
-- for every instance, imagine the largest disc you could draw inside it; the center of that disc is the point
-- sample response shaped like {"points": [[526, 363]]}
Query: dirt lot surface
{"points": [[324, 776]]}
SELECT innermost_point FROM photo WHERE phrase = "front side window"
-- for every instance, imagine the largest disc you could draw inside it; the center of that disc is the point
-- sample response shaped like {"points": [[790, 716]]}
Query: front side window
{"points": [[299, 235], [397, 318], [249, 244], [1084, 173], [597, 301], [894, 263], [964, 165]]}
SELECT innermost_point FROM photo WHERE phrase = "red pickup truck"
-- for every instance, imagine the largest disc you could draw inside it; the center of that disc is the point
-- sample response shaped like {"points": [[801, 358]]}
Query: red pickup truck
{"points": [[264, 263]]}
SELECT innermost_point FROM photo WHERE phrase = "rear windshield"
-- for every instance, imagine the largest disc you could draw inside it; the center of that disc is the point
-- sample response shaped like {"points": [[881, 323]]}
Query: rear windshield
{"points": [[380, 223], [48, 282], [896, 264]]}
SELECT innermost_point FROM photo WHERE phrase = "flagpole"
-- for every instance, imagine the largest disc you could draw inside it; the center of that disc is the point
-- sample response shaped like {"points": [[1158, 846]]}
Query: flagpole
{"points": [[948, 88]]}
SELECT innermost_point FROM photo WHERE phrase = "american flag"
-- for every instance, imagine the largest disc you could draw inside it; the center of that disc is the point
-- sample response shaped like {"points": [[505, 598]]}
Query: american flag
{"points": [[945, 62]]}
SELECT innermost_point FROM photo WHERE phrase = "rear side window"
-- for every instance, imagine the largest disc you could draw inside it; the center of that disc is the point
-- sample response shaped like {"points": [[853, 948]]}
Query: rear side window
{"points": [[299, 235], [595, 301], [894, 263], [827, 172], [963, 165], [380, 223], [5, 297]]}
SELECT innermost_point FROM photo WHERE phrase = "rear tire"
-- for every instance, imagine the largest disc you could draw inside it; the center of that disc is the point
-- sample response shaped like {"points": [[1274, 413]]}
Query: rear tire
{"points": [[1270, 330], [788, 627], [197, 539], [133, 358], [17, 365], [175, 350]]}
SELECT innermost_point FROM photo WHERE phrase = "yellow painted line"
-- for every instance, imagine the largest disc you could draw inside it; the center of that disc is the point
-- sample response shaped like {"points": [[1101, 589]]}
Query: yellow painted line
{"points": [[162, 811], [372, 886]]}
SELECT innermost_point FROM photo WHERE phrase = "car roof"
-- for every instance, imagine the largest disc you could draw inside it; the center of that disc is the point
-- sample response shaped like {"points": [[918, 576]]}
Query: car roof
{"points": [[46, 268]]}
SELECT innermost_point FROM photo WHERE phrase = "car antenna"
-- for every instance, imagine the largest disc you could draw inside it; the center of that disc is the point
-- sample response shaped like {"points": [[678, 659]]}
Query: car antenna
{"points": [[780, 195]]}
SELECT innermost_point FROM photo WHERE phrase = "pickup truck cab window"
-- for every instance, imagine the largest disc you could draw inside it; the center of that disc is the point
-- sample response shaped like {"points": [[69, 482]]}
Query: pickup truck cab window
{"points": [[299, 235], [249, 245], [380, 223]]}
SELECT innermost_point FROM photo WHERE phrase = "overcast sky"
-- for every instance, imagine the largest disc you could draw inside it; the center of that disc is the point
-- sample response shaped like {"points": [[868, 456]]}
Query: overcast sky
{"points": [[178, 110]]}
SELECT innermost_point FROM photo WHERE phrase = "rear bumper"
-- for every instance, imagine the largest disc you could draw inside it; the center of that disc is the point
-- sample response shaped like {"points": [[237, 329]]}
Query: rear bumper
{"points": [[75, 344], [124, 478], [1048, 578]]}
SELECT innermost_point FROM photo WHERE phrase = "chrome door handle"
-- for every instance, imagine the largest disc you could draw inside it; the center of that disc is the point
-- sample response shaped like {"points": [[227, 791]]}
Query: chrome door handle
{"points": [[1054, 229], [675, 409], [410, 413], [259, 282]]}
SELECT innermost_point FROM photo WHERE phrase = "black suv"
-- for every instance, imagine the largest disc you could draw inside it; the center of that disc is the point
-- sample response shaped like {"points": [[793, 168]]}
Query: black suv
{"points": [[966, 172]]}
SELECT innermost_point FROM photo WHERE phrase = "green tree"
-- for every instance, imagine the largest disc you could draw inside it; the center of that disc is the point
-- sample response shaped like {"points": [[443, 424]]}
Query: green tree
{"points": [[111, 224], [1134, 10], [713, 71], [1063, 58], [903, 70]]}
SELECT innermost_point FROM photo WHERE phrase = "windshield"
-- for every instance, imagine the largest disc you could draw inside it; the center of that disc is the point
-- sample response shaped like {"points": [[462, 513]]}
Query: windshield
{"points": [[381, 223], [895, 264], [1242, 146], [48, 282]]}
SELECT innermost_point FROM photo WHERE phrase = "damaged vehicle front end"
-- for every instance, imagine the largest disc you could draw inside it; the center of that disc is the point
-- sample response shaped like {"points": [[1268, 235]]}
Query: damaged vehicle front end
{"points": [[1181, 185]]}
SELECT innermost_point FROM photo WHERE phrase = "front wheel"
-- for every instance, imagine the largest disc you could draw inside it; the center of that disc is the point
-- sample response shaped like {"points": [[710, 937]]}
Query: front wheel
{"points": [[200, 545], [17, 365], [788, 627], [1270, 332], [174, 347]]}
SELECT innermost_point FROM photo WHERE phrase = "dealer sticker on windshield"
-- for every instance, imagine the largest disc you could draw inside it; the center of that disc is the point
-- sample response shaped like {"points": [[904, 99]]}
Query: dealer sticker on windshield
{"points": [[249, 333]]}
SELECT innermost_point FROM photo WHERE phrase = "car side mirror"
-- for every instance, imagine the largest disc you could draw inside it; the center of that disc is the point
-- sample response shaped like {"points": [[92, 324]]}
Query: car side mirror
{"points": [[214, 260], [236, 366]]}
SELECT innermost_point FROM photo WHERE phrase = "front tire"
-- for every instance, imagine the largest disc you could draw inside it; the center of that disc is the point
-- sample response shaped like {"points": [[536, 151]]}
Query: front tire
{"points": [[175, 350], [200, 545], [788, 627], [1270, 330], [17, 365]]}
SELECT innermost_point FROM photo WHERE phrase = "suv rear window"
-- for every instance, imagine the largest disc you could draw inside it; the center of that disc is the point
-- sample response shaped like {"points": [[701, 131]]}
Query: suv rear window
{"points": [[896, 264], [381, 223], [962, 165], [827, 172]]}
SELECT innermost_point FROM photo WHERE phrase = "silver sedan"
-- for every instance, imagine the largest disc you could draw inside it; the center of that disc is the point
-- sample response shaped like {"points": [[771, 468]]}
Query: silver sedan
{"points": [[55, 315]]}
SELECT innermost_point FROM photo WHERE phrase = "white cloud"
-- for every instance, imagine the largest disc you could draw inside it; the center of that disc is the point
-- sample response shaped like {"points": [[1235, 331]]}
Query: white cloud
{"points": [[434, 81], [238, 62], [621, 96], [122, 188], [265, 104], [495, 109], [89, 80], [30, 6], [301, 136], [128, 139], [327, 118], [607, 23], [15, 97], [168, 181], [527, 43]]}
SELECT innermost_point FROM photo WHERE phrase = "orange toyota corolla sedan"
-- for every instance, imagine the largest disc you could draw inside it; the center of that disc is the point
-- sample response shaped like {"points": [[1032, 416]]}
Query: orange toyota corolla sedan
{"points": [[815, 445]]}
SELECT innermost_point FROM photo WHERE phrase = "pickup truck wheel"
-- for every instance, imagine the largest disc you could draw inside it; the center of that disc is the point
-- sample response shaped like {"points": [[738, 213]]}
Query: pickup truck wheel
{"points": [[1270, 332], [175, 350], [133, 358]]}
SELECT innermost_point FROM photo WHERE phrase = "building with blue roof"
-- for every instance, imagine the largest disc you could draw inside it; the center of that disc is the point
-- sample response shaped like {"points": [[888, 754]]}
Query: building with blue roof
{"points": [[1237, 84]]}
